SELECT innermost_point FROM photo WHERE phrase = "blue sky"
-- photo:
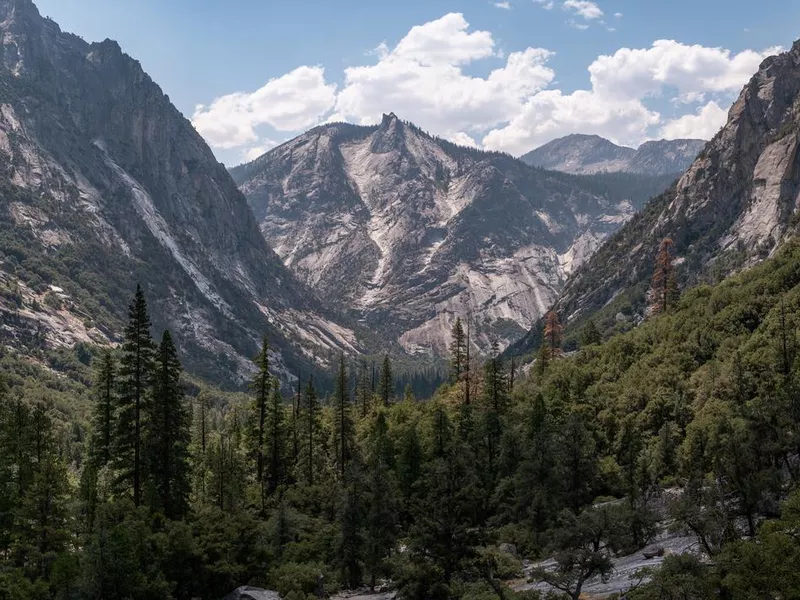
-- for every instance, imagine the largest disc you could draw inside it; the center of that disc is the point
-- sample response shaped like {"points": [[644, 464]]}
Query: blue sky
{"points": [[508, 76]]}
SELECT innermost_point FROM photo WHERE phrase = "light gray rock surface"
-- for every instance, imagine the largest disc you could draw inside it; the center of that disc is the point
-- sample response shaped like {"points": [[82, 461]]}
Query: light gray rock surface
{"points": [[408, 231]]}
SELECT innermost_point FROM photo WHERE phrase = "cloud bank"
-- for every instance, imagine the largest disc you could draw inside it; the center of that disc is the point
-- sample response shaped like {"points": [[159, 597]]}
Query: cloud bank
{"points": [[425, 78]]}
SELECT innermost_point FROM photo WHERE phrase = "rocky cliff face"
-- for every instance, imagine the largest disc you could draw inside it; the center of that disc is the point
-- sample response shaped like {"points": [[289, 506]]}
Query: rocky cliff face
{"points": [[408, 231], [733, 207], [588, 154], [103, 183]]}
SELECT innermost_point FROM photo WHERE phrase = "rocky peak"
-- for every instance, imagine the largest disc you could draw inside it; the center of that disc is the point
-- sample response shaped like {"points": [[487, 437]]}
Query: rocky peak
{"points": [[389, 136], [406, 231], [17, 10]]}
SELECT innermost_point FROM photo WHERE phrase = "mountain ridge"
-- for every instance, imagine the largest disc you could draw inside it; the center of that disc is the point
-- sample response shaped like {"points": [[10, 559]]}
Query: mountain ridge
{"points": [[583, 154], [98, 158], [408, 230], [734, 206]]}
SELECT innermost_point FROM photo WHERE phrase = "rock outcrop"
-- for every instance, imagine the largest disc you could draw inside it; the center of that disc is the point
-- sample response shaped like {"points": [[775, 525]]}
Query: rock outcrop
{"points": [[103, 184], [408, 231], [731, 209]]}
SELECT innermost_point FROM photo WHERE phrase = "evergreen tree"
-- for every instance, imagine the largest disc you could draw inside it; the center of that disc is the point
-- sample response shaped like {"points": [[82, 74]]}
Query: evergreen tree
{"points": [[663, 287], [363, 389], [350, 540], [381, 518], [41, 516], [387, 383], [257, 438], [135, 379], [344, 434], [200, 448], [169, 434], [311, 434], [458, 352], [495, 382], [276, 467], [103, 420], [446, 518], [409, 462], [590, 334]]}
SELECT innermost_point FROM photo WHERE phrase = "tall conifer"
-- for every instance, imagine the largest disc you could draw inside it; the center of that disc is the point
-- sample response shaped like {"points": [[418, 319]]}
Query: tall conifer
{"points": [[135, 384], [169, 434]]}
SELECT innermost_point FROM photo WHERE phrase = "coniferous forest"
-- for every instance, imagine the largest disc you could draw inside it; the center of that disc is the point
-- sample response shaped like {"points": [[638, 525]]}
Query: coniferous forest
{"points": [[688, 424]]}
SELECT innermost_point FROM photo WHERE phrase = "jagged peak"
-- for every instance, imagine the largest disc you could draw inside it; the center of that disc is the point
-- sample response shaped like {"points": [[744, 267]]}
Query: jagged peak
{"points": [[15, 8], [389, 119]]}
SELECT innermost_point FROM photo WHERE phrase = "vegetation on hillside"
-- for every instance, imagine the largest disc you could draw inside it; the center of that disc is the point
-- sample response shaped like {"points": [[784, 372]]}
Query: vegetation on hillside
{"points": [[310, 494]]}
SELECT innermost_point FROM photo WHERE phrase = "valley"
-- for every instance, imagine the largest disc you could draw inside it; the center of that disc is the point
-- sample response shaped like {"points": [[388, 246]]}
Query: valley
{"points": [[374, 363]]}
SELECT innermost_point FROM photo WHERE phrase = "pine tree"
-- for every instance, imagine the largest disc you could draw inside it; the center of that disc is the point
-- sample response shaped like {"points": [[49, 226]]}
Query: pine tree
{"points": [[258, 419], [200, 448], [553, 332], [363, 389], [458, 352], [103, 421], [277, 443], [311, 434], [350, 539], [495, 382], [468, 367], [590, 334], [41, 516], [387, 384], [381, 518], [169, 434], [343, 425], [135, 378], [663, 287]]}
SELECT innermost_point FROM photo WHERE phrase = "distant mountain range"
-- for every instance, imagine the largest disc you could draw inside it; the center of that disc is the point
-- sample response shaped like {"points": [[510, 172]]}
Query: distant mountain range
{"points": [[589, 154]]}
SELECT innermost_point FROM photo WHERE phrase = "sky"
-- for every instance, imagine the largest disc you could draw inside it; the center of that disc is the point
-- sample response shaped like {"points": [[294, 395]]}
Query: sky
{"points": [[505, 75]]}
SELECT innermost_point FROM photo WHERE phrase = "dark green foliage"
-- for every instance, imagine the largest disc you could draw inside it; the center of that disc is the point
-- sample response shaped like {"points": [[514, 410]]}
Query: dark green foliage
{"points": [[386, 387], [704, 397], [103, 418], [135, 387], [257, 438], [169, 434]]}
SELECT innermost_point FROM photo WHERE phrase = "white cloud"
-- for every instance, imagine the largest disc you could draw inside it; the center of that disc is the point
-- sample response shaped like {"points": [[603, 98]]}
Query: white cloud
{"points": [[427, 78], [614, 106], [254, 152], [618, 15], [584, 8], [462, 139], [704, 124], [551, 114], [422, 80], [504, 5], [291, 102], [637, 73], [545, 4]]}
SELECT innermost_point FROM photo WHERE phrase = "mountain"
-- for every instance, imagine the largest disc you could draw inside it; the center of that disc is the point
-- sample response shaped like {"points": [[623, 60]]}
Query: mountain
{"points": [[588, 154], [103, 184], [407, 231], [733, 207]]}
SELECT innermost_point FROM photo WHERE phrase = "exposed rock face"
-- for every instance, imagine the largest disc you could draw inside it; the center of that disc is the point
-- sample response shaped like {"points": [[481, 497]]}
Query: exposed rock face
{"points": [[587, 154], [105, 184], [408, 231], [733, 207]]}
